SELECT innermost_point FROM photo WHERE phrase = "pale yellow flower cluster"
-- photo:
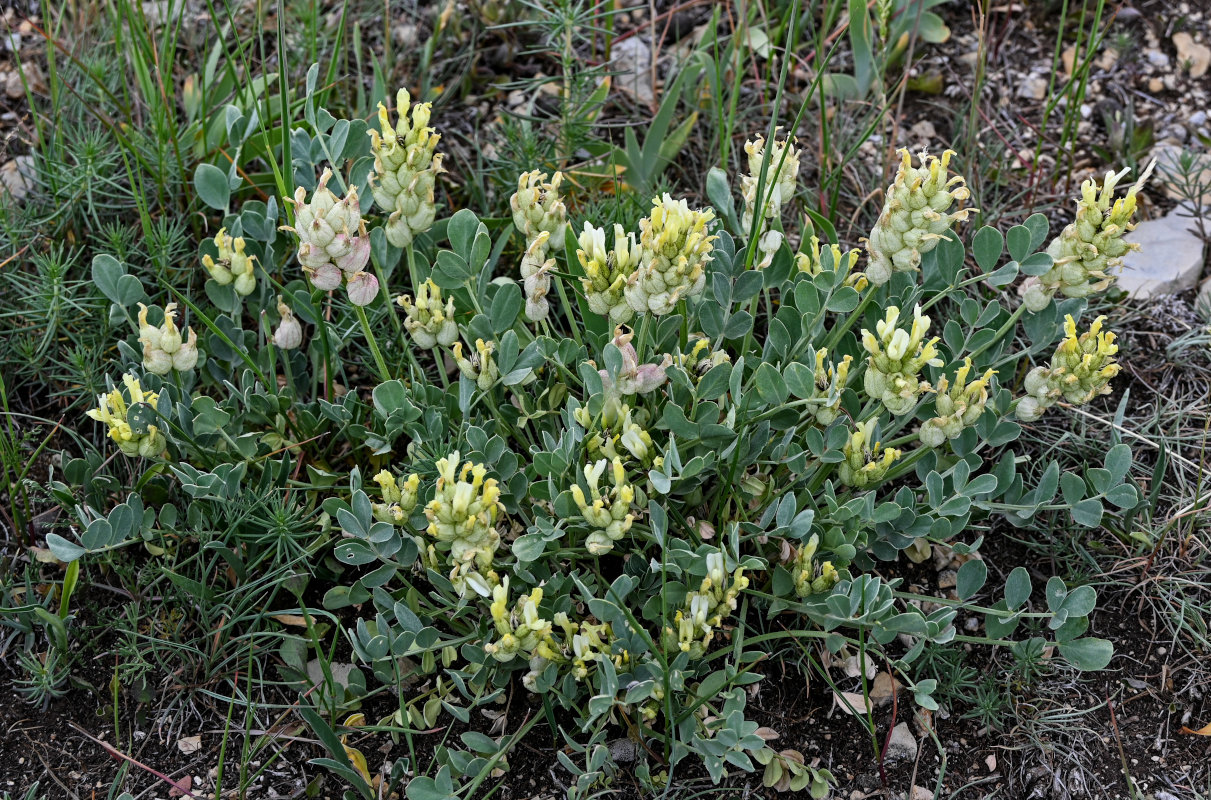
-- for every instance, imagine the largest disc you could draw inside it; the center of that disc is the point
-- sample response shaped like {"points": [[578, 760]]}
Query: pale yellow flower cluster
{"points": [[132, 431]]}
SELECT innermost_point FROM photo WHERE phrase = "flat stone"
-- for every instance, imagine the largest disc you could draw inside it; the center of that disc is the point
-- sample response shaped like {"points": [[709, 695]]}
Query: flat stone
{"points": [[16, 179], [920, 793], [1157, 58], [948, 579], [924, 131], [340, 672], [1170, 258], [883, 689], [632, 60], [1033, 88], [1192, 55], [902, 746]]}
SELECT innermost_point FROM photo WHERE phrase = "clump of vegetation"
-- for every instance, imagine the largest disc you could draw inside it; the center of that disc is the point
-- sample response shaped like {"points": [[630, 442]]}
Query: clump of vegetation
{"points": [[607, 513], [592, 444]]}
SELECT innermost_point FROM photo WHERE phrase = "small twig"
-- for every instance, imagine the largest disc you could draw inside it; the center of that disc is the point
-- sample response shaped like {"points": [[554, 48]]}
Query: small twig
{"points": [[47, 766], [119, 755], [891, 727], [1118, 739]]}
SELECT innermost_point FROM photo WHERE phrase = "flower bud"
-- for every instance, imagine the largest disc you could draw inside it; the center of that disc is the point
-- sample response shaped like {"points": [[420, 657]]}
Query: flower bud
{"points": [[1092, 247], [289, 333], [538, 208], [164, 349], [406, 166], [1080, 370], [895, 359], [233, 264], [675, 249], [427, 321], [478, 366], [333, 243], [915, 216], [606, 271], [866, 460], [363, 288]]}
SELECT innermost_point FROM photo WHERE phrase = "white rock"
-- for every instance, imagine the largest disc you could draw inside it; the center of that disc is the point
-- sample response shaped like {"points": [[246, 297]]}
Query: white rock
{"points": [[1197, 118], [1192, 55], [924, 131], [1170, 258], [16, 178], [1033, 88], [340, 672], [903, 745], [1157, 58], [632, 60], [920, 793]]}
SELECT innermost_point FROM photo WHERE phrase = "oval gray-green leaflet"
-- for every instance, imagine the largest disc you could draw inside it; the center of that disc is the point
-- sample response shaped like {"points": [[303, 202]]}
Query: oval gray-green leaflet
{"points": [[140, 417]]}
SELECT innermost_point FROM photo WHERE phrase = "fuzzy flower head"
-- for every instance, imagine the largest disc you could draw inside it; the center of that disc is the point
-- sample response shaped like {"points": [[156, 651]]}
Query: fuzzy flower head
{"points": [[164, 348], [606, 510], [783, 171], [523, 631], [703, 612], [830, 382], [399, 497], [866, 460], [233, 266], [957, 406], [1092, 247], [463, 512], [479, 365], [701, 358], [633, 377], [842, 262], [777, 191], [675, 249], [617, 434], [427, 320], [1080, 370], [537, 207], [915, 216], [406, 166], [333, 244], [895, 359], [129, 422], [810, 577], [606, 271]]}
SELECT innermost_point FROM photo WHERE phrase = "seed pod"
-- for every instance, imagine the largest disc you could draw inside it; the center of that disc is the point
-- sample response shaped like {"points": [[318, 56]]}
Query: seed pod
{"points": [[333, 243]]}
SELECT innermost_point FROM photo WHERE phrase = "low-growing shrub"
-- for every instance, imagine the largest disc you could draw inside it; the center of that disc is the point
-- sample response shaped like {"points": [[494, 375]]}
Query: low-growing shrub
{"points": [[617, 472]]}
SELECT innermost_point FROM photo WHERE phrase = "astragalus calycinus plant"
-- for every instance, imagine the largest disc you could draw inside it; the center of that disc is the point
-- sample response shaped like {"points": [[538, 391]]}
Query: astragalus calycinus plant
{"points": [[599, 466]]}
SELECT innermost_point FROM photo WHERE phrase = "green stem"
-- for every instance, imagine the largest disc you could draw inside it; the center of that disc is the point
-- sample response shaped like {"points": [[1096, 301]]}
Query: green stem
{"points": [[383, 373], [573, 328], [1004, 329], [641, 341], [440, 362]]}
